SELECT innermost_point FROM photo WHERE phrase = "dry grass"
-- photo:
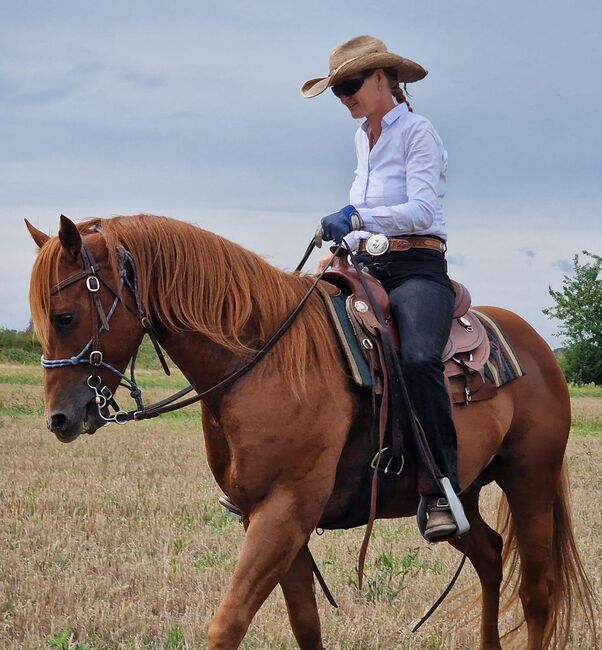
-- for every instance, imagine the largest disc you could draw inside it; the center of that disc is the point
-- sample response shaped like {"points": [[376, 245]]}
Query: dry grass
{"points": [[117, 541]]}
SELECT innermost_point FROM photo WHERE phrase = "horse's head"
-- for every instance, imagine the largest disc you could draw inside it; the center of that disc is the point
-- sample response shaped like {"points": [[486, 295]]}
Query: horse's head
{"points": [[76, 282]]}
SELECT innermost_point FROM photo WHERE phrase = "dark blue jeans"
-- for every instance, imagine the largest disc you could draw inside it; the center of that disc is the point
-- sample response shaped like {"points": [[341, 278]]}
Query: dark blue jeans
{"points": [[423, 310]]}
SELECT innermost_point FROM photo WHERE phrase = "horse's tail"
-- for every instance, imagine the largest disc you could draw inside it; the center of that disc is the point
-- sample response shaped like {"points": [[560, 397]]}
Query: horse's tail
{"points": [[571, 588]]}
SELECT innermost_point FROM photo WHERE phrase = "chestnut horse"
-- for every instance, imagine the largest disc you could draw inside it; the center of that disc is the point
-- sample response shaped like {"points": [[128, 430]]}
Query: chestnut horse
{"points": [[288, 441]]}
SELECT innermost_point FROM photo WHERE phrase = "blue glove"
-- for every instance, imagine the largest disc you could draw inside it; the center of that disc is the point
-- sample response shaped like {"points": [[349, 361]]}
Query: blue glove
{"points": [[338, 224]]}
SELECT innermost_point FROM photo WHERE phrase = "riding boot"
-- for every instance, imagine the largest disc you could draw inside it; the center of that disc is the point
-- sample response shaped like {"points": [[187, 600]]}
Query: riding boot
{"points": [[440, 523]]}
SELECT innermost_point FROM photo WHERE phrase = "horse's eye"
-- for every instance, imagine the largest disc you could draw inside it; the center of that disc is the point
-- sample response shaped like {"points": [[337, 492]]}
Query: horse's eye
{"points": [[63, 320]]}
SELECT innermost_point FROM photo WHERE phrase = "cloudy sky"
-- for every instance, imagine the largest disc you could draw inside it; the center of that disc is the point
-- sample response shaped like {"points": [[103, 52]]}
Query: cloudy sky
{"points": [[192, 109]]}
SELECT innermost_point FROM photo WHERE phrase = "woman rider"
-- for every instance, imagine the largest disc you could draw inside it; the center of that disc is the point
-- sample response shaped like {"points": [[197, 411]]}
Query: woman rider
{"points": [[397, 196]]}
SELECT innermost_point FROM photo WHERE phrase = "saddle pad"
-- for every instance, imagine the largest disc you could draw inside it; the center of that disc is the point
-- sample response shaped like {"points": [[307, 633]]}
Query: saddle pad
{"points": [[358, 366], [503, 365]]}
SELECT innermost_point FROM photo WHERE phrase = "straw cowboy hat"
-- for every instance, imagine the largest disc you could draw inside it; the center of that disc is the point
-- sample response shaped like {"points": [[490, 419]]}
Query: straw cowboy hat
{"points": [[362, 53]]}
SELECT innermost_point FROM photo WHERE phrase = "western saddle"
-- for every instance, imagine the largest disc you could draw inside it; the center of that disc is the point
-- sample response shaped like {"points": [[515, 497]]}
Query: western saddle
{"points": [[467, 349]]}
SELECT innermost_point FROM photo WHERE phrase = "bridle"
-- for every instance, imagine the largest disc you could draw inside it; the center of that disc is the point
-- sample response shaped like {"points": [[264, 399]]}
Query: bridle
{"points": [[91, 354]]}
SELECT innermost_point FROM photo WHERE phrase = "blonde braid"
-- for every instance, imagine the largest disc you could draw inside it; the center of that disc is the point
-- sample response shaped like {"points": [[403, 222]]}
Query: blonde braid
{"points": [[396, 89], [399, 95]]}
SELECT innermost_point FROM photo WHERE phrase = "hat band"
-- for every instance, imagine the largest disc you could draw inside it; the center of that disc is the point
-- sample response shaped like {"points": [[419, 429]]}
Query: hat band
{"points": [[333, 72]]}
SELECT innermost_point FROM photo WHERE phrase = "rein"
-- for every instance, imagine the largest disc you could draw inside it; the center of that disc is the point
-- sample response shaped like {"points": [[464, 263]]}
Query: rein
{"points": [[91, 355]]}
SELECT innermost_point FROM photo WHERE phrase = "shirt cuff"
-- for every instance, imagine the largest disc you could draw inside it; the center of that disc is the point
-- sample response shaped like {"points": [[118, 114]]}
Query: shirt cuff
{"points": [[352, 239], [367, 215]]}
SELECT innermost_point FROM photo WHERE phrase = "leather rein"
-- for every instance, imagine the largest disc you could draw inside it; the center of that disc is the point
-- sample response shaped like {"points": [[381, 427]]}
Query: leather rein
{"points": [[90, 354]]}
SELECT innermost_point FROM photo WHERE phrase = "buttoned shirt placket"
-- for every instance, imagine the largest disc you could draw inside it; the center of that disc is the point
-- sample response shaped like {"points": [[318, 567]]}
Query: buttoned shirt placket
{"points": [[421, 213]]}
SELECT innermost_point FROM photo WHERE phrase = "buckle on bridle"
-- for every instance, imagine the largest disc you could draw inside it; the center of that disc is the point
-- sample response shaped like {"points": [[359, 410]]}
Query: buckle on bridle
{"points": [[93, 283], [95, 358]]}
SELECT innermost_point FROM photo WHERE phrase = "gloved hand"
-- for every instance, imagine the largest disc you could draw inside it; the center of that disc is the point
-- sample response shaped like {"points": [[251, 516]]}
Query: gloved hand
{"points": [[338, 224]]}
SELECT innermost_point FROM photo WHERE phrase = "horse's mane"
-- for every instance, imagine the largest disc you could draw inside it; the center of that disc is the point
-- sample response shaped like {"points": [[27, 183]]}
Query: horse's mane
{"points": [[192, 279]]}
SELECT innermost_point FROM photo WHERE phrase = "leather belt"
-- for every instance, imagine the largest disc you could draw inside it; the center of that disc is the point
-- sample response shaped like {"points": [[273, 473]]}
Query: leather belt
{"points": [[379, 244]]}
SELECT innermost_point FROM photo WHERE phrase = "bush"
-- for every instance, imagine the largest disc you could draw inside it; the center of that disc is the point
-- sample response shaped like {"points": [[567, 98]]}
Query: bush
{"points": [[19, 346], [579, 309], [581, 366], [18, 355]]}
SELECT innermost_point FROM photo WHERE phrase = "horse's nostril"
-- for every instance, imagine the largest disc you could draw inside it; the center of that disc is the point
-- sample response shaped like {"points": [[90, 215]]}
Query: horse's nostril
{"points": [[58, 422]]}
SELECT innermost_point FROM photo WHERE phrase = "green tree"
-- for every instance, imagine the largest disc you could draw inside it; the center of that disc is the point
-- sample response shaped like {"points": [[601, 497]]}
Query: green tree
{"points": [[579, 310]]}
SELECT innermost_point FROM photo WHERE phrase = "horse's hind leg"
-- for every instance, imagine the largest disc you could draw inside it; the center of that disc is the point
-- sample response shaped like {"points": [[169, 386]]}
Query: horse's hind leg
{"points": [[298, 589], [531, 493], [484, 552]]}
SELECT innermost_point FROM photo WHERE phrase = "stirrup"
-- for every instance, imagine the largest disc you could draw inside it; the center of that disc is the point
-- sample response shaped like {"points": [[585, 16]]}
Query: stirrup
{"points": [[232, 508], [455, 506]]}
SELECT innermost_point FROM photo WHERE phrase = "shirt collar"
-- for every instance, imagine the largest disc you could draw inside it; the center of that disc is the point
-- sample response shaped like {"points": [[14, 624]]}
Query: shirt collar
{"points": [[401, 110]]}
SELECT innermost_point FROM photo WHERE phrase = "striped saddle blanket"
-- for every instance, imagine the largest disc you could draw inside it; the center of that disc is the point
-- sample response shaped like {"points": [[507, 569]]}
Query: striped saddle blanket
{"points": [[475, 366]]}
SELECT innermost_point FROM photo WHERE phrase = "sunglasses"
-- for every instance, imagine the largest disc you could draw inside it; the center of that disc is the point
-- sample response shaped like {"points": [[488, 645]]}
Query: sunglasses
{"points": [[350, 86]]}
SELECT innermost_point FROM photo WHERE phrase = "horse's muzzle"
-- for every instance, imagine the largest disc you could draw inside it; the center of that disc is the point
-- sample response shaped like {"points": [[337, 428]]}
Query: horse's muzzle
{"points": [[69, 423]]}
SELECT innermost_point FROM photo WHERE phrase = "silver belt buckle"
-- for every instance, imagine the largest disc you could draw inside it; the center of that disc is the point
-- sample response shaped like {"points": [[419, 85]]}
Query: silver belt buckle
{"points": [[377, 244]]}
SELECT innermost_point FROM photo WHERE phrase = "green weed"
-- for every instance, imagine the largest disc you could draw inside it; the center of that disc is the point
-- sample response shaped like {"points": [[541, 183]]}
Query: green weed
{"points": [[388, 577], [434, 642], [64, 640], [175, 639]]}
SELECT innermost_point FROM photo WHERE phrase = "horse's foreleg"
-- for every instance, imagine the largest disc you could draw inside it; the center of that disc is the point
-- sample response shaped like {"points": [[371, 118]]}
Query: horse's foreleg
{"points": [[278, 529], [484, 551], [298, 588]]}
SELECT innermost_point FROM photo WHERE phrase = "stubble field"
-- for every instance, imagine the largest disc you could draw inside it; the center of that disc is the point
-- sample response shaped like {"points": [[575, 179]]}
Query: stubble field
{"points": [[117, 541]]}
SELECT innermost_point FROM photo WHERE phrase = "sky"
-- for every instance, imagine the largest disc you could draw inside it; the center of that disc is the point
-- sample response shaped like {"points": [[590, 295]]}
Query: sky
{"points": [[193, 110]]}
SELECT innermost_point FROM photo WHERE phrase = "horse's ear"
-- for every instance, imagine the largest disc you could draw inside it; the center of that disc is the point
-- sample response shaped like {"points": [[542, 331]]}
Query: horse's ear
{"points": [[39, 237], [70, 237]]}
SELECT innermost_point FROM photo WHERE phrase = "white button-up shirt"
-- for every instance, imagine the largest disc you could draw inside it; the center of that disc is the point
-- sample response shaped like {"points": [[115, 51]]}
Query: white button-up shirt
{"points": [[400, 183]]}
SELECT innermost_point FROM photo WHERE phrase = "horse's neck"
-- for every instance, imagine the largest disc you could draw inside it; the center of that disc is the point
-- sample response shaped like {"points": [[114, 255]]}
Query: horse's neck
{"points": [[203, 362]]}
